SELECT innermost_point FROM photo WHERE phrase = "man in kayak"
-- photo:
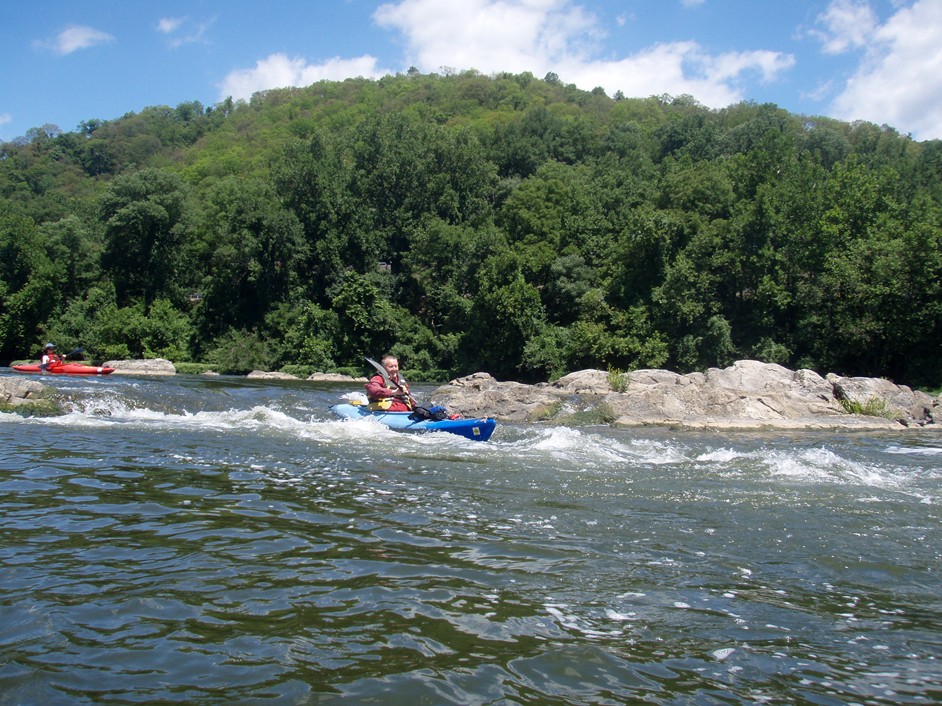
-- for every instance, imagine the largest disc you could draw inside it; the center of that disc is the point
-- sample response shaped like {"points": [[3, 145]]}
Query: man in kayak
{"points": [[389, 392], [50, 358]]}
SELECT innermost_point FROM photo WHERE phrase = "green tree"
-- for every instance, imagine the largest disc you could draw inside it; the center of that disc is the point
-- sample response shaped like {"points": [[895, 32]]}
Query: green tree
{"points": [[885, 296], [314, 182], [29, 286], [147, 231], [439, 276], [90, 321], [507, 313], [167, 332], [406, 171], [367, 322], [238, 352], [108, 331], [306, 334], [76, 247], [250, 251]]}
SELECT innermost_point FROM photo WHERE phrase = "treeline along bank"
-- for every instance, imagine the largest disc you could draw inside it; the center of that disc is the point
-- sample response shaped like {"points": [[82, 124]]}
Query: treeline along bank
{"points": [[504, 223]]}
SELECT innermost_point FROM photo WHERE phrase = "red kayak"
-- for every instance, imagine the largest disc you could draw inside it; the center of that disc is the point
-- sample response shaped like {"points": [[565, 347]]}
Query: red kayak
{"points": [[65, 369]]}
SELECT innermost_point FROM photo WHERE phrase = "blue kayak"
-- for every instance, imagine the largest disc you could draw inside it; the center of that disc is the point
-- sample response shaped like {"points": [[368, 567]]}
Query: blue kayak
{"points": [[477, 429]]}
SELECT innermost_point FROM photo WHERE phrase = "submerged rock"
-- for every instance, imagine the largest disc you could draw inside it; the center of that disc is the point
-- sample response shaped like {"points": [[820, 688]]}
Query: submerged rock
{"points": [[747, 395]]}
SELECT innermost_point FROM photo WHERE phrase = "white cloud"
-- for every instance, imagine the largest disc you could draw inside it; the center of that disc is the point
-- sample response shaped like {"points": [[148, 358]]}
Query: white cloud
{"points": [[279, 71], [819, 92], [678, 68], [74, 38], [541, 36], [175, 26], [489, 35], [692, 3], [899, 82], [168, 25], [847, 24], [5, 118]]}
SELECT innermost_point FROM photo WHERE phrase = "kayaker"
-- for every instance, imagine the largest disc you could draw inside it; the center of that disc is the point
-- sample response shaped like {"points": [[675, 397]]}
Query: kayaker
{"points": [[50, 359], [389, 392]]}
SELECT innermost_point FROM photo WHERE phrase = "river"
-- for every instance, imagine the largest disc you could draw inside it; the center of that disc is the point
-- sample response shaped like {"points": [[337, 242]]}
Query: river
{"points": [[221, 540]]}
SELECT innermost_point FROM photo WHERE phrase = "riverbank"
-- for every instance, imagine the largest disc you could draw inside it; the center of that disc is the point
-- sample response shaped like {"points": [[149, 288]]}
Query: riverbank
{"points": [[748, 395]]}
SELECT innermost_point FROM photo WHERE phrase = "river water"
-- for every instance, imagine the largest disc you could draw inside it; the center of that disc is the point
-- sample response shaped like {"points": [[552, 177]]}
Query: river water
{"points": [[227, 541]]}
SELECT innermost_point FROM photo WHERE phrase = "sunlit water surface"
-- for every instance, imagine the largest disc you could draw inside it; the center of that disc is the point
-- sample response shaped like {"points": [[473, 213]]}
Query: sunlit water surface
{"points": [[223, 541]]}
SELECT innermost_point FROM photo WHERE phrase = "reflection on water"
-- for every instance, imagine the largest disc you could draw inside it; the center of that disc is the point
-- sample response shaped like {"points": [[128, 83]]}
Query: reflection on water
{"points": [[227, 541]]}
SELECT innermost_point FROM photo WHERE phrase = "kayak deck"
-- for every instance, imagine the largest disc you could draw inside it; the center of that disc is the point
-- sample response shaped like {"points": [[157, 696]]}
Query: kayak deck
{"points": [[64, 369], [476, 429]]}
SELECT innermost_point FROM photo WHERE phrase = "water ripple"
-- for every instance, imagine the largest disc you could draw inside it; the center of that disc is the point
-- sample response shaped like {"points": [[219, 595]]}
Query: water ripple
{"points": [[229, 542]]}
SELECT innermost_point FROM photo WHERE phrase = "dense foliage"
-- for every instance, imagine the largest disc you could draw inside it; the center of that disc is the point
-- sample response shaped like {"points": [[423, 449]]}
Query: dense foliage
{"points": [[505, 223]]}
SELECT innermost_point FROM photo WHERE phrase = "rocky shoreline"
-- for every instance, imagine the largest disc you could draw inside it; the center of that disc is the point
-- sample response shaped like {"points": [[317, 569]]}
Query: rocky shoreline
{"points": [[748, 395]]}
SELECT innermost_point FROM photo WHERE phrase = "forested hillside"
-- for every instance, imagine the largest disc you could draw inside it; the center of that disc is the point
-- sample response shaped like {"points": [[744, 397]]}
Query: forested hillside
{"points": [[464, 222]]}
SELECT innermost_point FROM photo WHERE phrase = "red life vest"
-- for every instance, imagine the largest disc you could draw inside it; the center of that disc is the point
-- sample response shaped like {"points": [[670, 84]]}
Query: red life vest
{"points": [[391, 404]]}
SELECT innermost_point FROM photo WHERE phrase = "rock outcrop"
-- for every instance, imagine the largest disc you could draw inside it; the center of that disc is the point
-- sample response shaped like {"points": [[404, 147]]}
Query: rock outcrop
{"points": [[26, 395], [271, 375], [313, 377], [149, 366], [334, 377], [747, 395]]}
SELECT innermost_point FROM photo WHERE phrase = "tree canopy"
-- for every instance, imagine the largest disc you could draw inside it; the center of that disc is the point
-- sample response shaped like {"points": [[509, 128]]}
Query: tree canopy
{"points": [[467, 222]]}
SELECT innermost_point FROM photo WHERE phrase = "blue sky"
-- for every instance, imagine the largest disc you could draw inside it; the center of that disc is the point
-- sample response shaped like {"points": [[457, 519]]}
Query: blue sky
{"points": [[66, 61]]}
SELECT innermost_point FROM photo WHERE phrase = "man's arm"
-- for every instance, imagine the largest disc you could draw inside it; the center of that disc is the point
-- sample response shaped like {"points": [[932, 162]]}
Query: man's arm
{"points": [[376, 388]]}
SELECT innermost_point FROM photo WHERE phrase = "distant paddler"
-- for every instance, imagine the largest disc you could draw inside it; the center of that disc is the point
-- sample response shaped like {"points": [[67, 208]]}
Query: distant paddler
{"points": [[50, 360]]}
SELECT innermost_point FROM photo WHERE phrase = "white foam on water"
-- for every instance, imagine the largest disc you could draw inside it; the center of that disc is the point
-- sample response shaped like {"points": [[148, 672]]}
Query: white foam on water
{"points": [[622, 617], [585, 449], [823, 465], [722, 456], [911, 451], [809, 465], [109, 411], [355, 397], [567, 449], [70, 419]]}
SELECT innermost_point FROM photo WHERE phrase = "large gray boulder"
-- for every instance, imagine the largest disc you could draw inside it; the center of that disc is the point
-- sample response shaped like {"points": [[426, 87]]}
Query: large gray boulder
{"points": [[271, 375], [904, 404], [19, 390], [480, 395], [149, 366], [334, 377], [747, 395], [26, 395]]}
